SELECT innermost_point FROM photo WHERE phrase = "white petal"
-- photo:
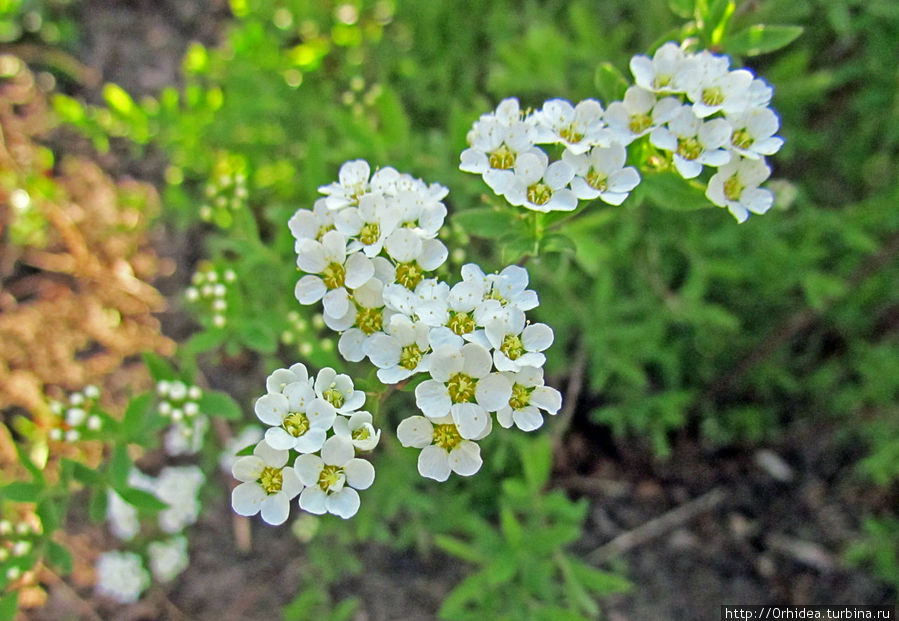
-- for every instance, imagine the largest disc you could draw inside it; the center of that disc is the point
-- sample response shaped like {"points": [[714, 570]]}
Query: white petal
{"points": [[344, 503], [290, 483], [470, 419], [432, 398], [279, 439], [271, 408], [337, 451], [465, 459], [433, 463], [476, 360], [308, 468], [247, 468], [493, 392], [336, 302], [433, 254], [320, 414], [309, 289], [403, 245], [546, 398], [359, 473], [311, 441], [275, 509], [271, 456], [350, 345], [537, 337], [310, 256], [415, 431], [528, 418], [314, 500], [246, 498], [359, 269]]}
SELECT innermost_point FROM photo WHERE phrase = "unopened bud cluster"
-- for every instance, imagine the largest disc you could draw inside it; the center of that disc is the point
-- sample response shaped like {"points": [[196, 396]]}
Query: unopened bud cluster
{"points": [[209, 291], [16, 547], [224, 192], [691, 108], [76, 418]]}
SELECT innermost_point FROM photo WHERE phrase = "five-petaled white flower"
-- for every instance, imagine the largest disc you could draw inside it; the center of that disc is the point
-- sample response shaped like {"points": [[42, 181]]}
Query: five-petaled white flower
{"points": [[577, 127], [267, 485], [601, 173], [443, 449], [296, 418], [539, 185], [693, 141], [529, 396], [330, 272], [736, 186], [332, 479], [638, 113]]}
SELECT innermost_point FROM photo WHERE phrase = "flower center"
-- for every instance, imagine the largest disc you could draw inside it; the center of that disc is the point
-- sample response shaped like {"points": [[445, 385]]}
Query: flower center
{"points": [[369, 320], [410, 356], [370, 233], [333, 275], [447, 436], [521, 397], [712, 96], [742, 139], [512, 347], [597, 180], [360, 433], [661, 81], [733, 188], [322, 230], [461, 388], [334, 397], [639, 123], [409, 274], [331, 479], [689, 148], [571, 135], [502, 159], [461, 323], [296, 424], [270, 480], [539, 193]]}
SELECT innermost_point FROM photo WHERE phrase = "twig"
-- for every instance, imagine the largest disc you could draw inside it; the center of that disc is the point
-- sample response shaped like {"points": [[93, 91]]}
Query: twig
{"points": [[575, 385], [657, 526]]}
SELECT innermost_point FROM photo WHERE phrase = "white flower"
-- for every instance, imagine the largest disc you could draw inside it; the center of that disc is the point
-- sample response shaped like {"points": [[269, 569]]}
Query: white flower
{"points": [[577, 127], [352, 183], [332, 480], [639, 113], [122, 516], [539, 185], [663, 72], [186, 438], [338, 272], [358, 430], [712, 88], [338, 392], [414, 255], [296, 418], [121, 576], [266, 484], [601, 173], [369, 223], [314, 223], [443, 449], [280, 378], [693, 142], [529, 396], [168, 558], [463, 386], [400, 351], [736, 186], [753, 134], [364, 319], [179, 487], [517, 346]]}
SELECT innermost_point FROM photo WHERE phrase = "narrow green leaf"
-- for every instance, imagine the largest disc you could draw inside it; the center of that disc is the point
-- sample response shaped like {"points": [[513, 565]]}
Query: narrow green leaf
{"points": [[214, 403], [20, 491], [487, 222], [204, 341], [681, 8], [48, 512], [459, 549], [258, 336], [141, 499], [558, 242], [600, 582], [471, 589], [9, 604], [119, 466], [118, 99], [59, 557], [536, 460], [760, 39], [98, 503], [135, 419], [511, 527], [610, 83], [159, 367]]}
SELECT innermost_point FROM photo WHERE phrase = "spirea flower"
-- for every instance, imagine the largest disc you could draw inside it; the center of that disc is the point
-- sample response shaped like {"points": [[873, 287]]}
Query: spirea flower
{"points": [[168, 558], [601, 173], [332, 479], [693, 142], [736, 186], [529, 397], [121, 576], [578, 127], [443, 449], [267, 485]]}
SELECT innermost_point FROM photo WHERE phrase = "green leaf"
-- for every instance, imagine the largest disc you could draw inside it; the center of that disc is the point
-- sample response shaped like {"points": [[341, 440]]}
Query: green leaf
{"points": [[511, 527], [48, 512], [20, 491], [135, 419], [59, 557], [247, 450], [609, 82], [558, 242], [460, 549], [141, 499], [204, 341], [821, 289], [470, 589], [159, 367], [9, 604], [98, 503], [681, 8], [760, 39], [487, 222], [70, 110], [669, 190], [258, 336], [118, 99], [214, 403], [600, 582], [536, 460], [119, 466]]}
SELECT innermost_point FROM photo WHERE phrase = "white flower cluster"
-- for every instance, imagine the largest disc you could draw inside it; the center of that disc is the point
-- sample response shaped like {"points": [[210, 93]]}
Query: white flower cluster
{"points": [[16, 544], [179, 403], [76, 417], [209, 289], [368, 248], [224, 192], [692, 106], [320, 420], [121, 576]]}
